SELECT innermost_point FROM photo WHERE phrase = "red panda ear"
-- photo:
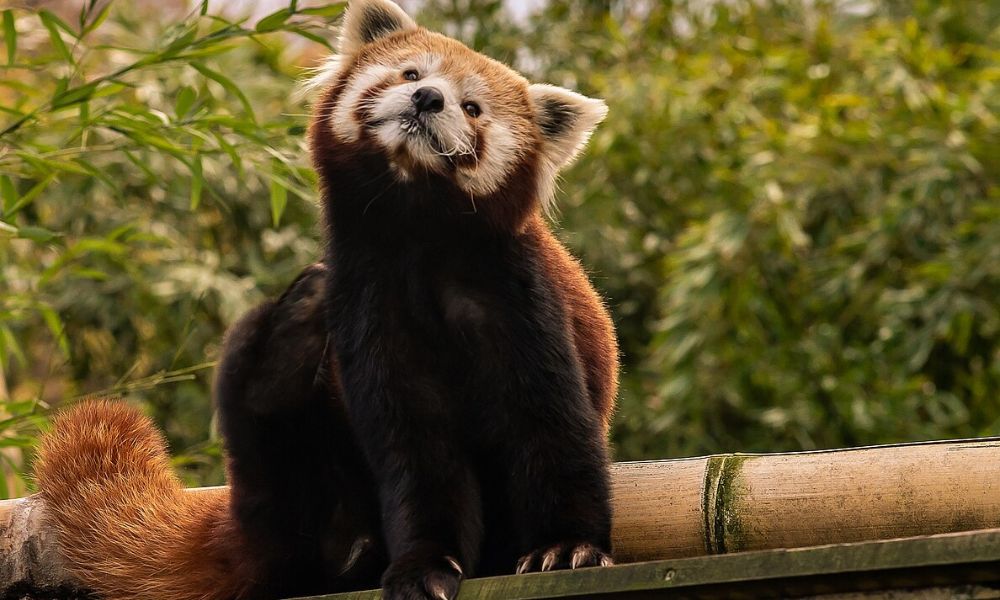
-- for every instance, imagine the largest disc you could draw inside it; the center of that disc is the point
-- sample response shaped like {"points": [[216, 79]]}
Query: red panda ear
{"points": [[566, 120], [369, 20]]}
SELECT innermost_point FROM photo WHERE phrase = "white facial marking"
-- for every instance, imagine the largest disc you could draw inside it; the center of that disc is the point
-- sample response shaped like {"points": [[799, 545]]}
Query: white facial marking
{"points": [[502, 151], [502, 148], [430, 140], [427, 139], [343, 120]]}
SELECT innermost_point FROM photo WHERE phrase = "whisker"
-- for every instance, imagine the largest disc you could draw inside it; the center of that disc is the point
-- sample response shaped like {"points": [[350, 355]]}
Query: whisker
{"points": [[475, 144], [377, 196], [380, 177]]}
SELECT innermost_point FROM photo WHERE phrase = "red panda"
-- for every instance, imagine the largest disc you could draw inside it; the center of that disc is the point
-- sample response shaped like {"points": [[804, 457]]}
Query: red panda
{"points": [[430, 402]]}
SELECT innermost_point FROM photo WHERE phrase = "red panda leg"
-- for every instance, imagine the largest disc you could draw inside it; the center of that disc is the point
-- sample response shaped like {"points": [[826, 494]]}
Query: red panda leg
{"points": [[301, 494]]}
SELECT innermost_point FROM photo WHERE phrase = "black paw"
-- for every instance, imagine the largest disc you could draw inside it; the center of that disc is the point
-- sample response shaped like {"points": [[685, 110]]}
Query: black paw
{"points": [[564, 556], [422, 578]]}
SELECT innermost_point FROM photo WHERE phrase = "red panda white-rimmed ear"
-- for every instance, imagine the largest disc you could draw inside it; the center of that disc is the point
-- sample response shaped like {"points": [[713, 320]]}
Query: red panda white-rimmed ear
{"points": [[566, 120], [368, 20]]}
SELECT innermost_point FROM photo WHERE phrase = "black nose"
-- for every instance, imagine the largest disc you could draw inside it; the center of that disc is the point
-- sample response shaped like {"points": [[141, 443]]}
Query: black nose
{"points": [[428, 99]]}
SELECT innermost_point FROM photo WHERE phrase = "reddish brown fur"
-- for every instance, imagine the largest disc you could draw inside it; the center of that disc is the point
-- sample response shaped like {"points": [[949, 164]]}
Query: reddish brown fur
{"points": [[594, 332], [510, 207], [515, 207], [124, 523], [127, 528]]}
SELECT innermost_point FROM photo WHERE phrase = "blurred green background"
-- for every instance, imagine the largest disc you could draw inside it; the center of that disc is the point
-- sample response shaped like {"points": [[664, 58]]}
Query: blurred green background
{"points": [[793, 208]]}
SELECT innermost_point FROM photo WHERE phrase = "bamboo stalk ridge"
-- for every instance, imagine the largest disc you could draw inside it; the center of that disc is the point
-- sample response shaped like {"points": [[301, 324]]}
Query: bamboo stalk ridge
{"points": [[718, 504], [736, 502]]}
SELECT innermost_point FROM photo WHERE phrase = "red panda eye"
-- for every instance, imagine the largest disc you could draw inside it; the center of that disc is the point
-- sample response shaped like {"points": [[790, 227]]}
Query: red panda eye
{"points": [[411, 75], [472, 109]]}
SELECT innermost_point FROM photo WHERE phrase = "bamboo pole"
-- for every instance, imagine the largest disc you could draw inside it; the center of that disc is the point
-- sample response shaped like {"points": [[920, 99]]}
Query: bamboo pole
{"points": [[736, 502], [721, 504], [29, 559]]}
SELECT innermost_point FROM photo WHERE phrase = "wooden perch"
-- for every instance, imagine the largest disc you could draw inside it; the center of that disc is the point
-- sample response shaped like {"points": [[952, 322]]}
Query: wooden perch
{"points": [[713, 505], [736, 502]]}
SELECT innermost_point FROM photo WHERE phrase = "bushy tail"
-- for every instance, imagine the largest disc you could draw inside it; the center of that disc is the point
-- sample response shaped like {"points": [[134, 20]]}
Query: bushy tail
{"points": [[125, 526]]}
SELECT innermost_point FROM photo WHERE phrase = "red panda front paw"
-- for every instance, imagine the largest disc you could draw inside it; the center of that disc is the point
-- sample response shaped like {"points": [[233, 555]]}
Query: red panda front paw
{"points": [[420, 577], [564, 556]]}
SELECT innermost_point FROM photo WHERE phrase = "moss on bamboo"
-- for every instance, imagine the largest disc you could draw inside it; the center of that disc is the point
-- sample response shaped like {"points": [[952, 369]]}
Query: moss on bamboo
{"points": [[724, 527]]}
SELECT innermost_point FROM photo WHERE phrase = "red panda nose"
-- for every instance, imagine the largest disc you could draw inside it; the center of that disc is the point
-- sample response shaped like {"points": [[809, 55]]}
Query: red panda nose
{"points": [[428, 99]]}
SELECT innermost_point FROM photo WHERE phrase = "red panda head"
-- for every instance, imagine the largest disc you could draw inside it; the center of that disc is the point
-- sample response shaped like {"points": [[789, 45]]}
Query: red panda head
{"points": [[433, 108]]}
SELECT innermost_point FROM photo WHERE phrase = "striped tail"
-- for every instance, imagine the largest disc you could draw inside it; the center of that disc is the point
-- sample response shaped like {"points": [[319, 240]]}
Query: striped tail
{"points": [[124, 523]]}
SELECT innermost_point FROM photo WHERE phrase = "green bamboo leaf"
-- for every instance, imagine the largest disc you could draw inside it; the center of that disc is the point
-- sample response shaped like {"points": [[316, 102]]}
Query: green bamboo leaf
{"points": [[50, 165], [142, 166], [279, 199], [109, 90], [61, 86], [10, 35], [273, 21], [313, 37], [4, 490], [328, 11], [180, 43], [8, 192], [15, 441], [27, 198], [85, 8], [49, 21], [121, 232], [206, 51], [74, 95], [9, 347], [91, 274], [36, 234], [96, 22], [150, 138], [197, 182], [61, 24], [20, 86], [19, 409], [231, 151], [55, 325], [185, 100], [228, 85], [97, 173]]}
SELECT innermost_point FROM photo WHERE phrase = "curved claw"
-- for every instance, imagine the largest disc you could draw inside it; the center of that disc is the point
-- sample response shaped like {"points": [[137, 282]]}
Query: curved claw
{"points": [[563, 556]]}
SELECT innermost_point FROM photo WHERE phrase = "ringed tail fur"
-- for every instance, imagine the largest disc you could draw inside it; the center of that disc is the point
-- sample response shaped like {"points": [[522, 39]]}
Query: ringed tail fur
{"points": [[124, 524]]}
